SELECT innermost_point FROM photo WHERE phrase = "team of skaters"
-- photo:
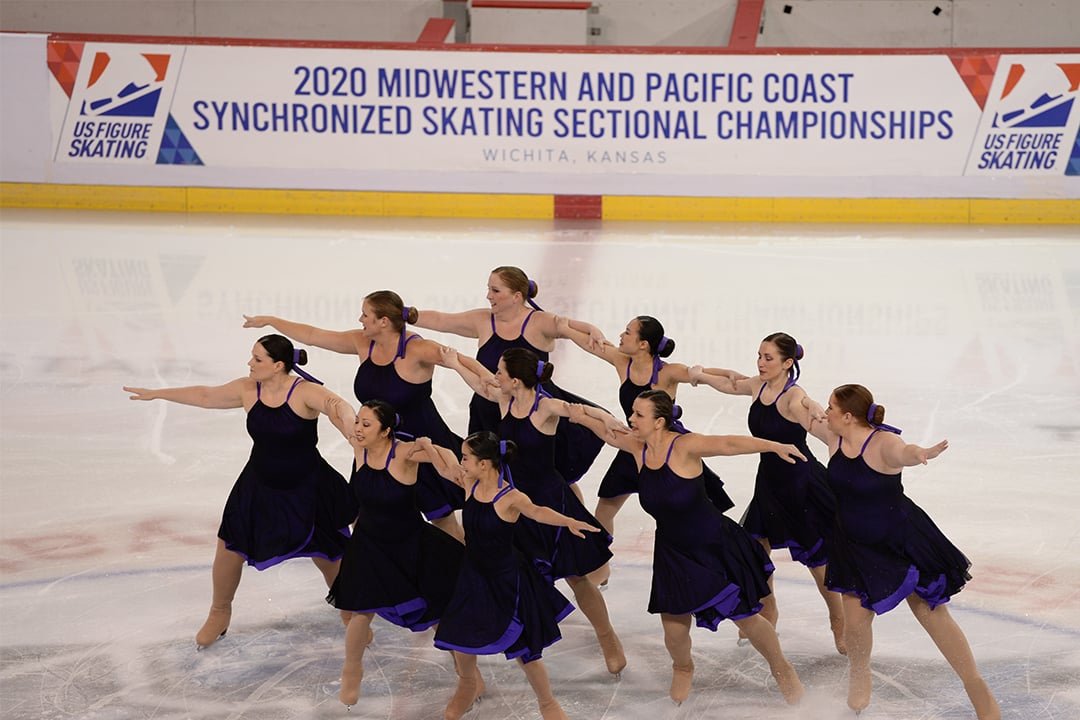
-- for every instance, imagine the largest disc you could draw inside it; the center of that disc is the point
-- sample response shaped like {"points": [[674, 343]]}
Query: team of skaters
{"points": [[388, 542]]}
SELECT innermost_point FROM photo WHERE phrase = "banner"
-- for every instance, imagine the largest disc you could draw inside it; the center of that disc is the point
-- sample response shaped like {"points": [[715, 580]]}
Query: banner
{"points": [[667, 115]]}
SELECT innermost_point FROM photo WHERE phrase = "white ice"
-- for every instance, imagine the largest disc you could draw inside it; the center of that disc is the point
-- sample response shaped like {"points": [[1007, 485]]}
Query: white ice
{"points": [[108, 508]]}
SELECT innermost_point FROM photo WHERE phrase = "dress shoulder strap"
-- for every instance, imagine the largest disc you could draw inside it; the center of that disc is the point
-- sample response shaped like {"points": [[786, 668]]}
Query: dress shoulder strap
{"points": [[671, 447], [527, 319], [867, 441], [296, 382], [403, 344]]}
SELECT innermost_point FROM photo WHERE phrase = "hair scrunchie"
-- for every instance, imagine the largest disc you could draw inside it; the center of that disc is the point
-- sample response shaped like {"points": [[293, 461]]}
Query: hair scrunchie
{"points": [[299, 371], [882, 426]]}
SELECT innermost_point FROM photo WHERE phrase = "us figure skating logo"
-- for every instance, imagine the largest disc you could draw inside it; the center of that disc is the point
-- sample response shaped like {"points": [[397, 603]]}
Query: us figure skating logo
{"points": [[1030, 124], [139, 95], [119, 108]]}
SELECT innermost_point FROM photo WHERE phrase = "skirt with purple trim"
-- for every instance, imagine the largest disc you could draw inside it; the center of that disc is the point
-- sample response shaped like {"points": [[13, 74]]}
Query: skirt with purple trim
{"points": [[557, 552], [721, 579], [792, 508], [914, 557], [407, 581], [516, 613], [268, 521]]}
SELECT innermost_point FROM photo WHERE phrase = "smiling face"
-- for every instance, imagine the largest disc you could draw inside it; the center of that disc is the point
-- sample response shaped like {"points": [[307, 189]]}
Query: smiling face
{"points": [[369, 323], [261, 366], [770, 363], [367, 429], [499, 295], [471, 467]]}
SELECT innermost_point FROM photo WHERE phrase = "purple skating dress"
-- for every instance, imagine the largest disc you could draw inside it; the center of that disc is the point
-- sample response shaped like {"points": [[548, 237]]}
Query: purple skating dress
{"points": [[436, 496], [884, 547], [704, 563], [622, 475], [557, 552], [396, 565], [792, 506], [575, 447], [501, 603], [288, 502]]}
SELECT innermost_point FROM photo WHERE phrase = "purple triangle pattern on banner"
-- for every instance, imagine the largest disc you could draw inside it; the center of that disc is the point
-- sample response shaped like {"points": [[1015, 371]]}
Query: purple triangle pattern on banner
{"points": [[175, 148]]}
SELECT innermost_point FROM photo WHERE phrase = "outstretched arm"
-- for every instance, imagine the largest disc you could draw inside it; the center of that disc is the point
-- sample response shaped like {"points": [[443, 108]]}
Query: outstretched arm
{"points": [[721, 380], [465, 324], [541, 514], [604, 426], [344, 342], [897, 453], [438, 354], [586, 336], [713, 445], [798, 406], [442, 459], [219, 397], [820, 430], [806, 411], [476, 376], [321, 400]]}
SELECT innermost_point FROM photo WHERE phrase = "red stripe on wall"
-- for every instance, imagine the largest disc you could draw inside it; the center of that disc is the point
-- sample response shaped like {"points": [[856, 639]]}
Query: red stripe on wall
{"points": [[435, 31], [579, 207], [744, 30]]}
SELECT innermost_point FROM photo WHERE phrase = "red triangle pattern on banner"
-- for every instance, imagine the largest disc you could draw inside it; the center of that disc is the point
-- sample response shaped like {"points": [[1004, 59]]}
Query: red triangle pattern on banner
{"points": [[63, 60], [977, 72]]}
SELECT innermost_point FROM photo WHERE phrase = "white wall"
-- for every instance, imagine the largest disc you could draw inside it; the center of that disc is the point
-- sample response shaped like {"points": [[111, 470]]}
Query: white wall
{"points": [[920, 23], [26, 135], [664, 23], [692, 23], [335, 20]]}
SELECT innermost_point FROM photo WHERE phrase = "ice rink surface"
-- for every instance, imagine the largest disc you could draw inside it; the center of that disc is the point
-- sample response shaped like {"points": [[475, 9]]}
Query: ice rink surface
{"points": [[109, 508]]}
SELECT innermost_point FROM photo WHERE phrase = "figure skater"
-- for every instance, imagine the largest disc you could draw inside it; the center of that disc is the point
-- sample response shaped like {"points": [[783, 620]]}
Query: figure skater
{"points": [[792, 506], [513, 319], [885, 549], [501, 603], [288, 502], [638, 363], [395, 366], [396, 565], [530, 418], [705, 566]]}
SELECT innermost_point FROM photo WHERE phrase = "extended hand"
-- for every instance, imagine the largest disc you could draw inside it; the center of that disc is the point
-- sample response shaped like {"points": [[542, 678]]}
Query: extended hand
{"points": [[579, 528], [139, 393], [790, 453]]}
